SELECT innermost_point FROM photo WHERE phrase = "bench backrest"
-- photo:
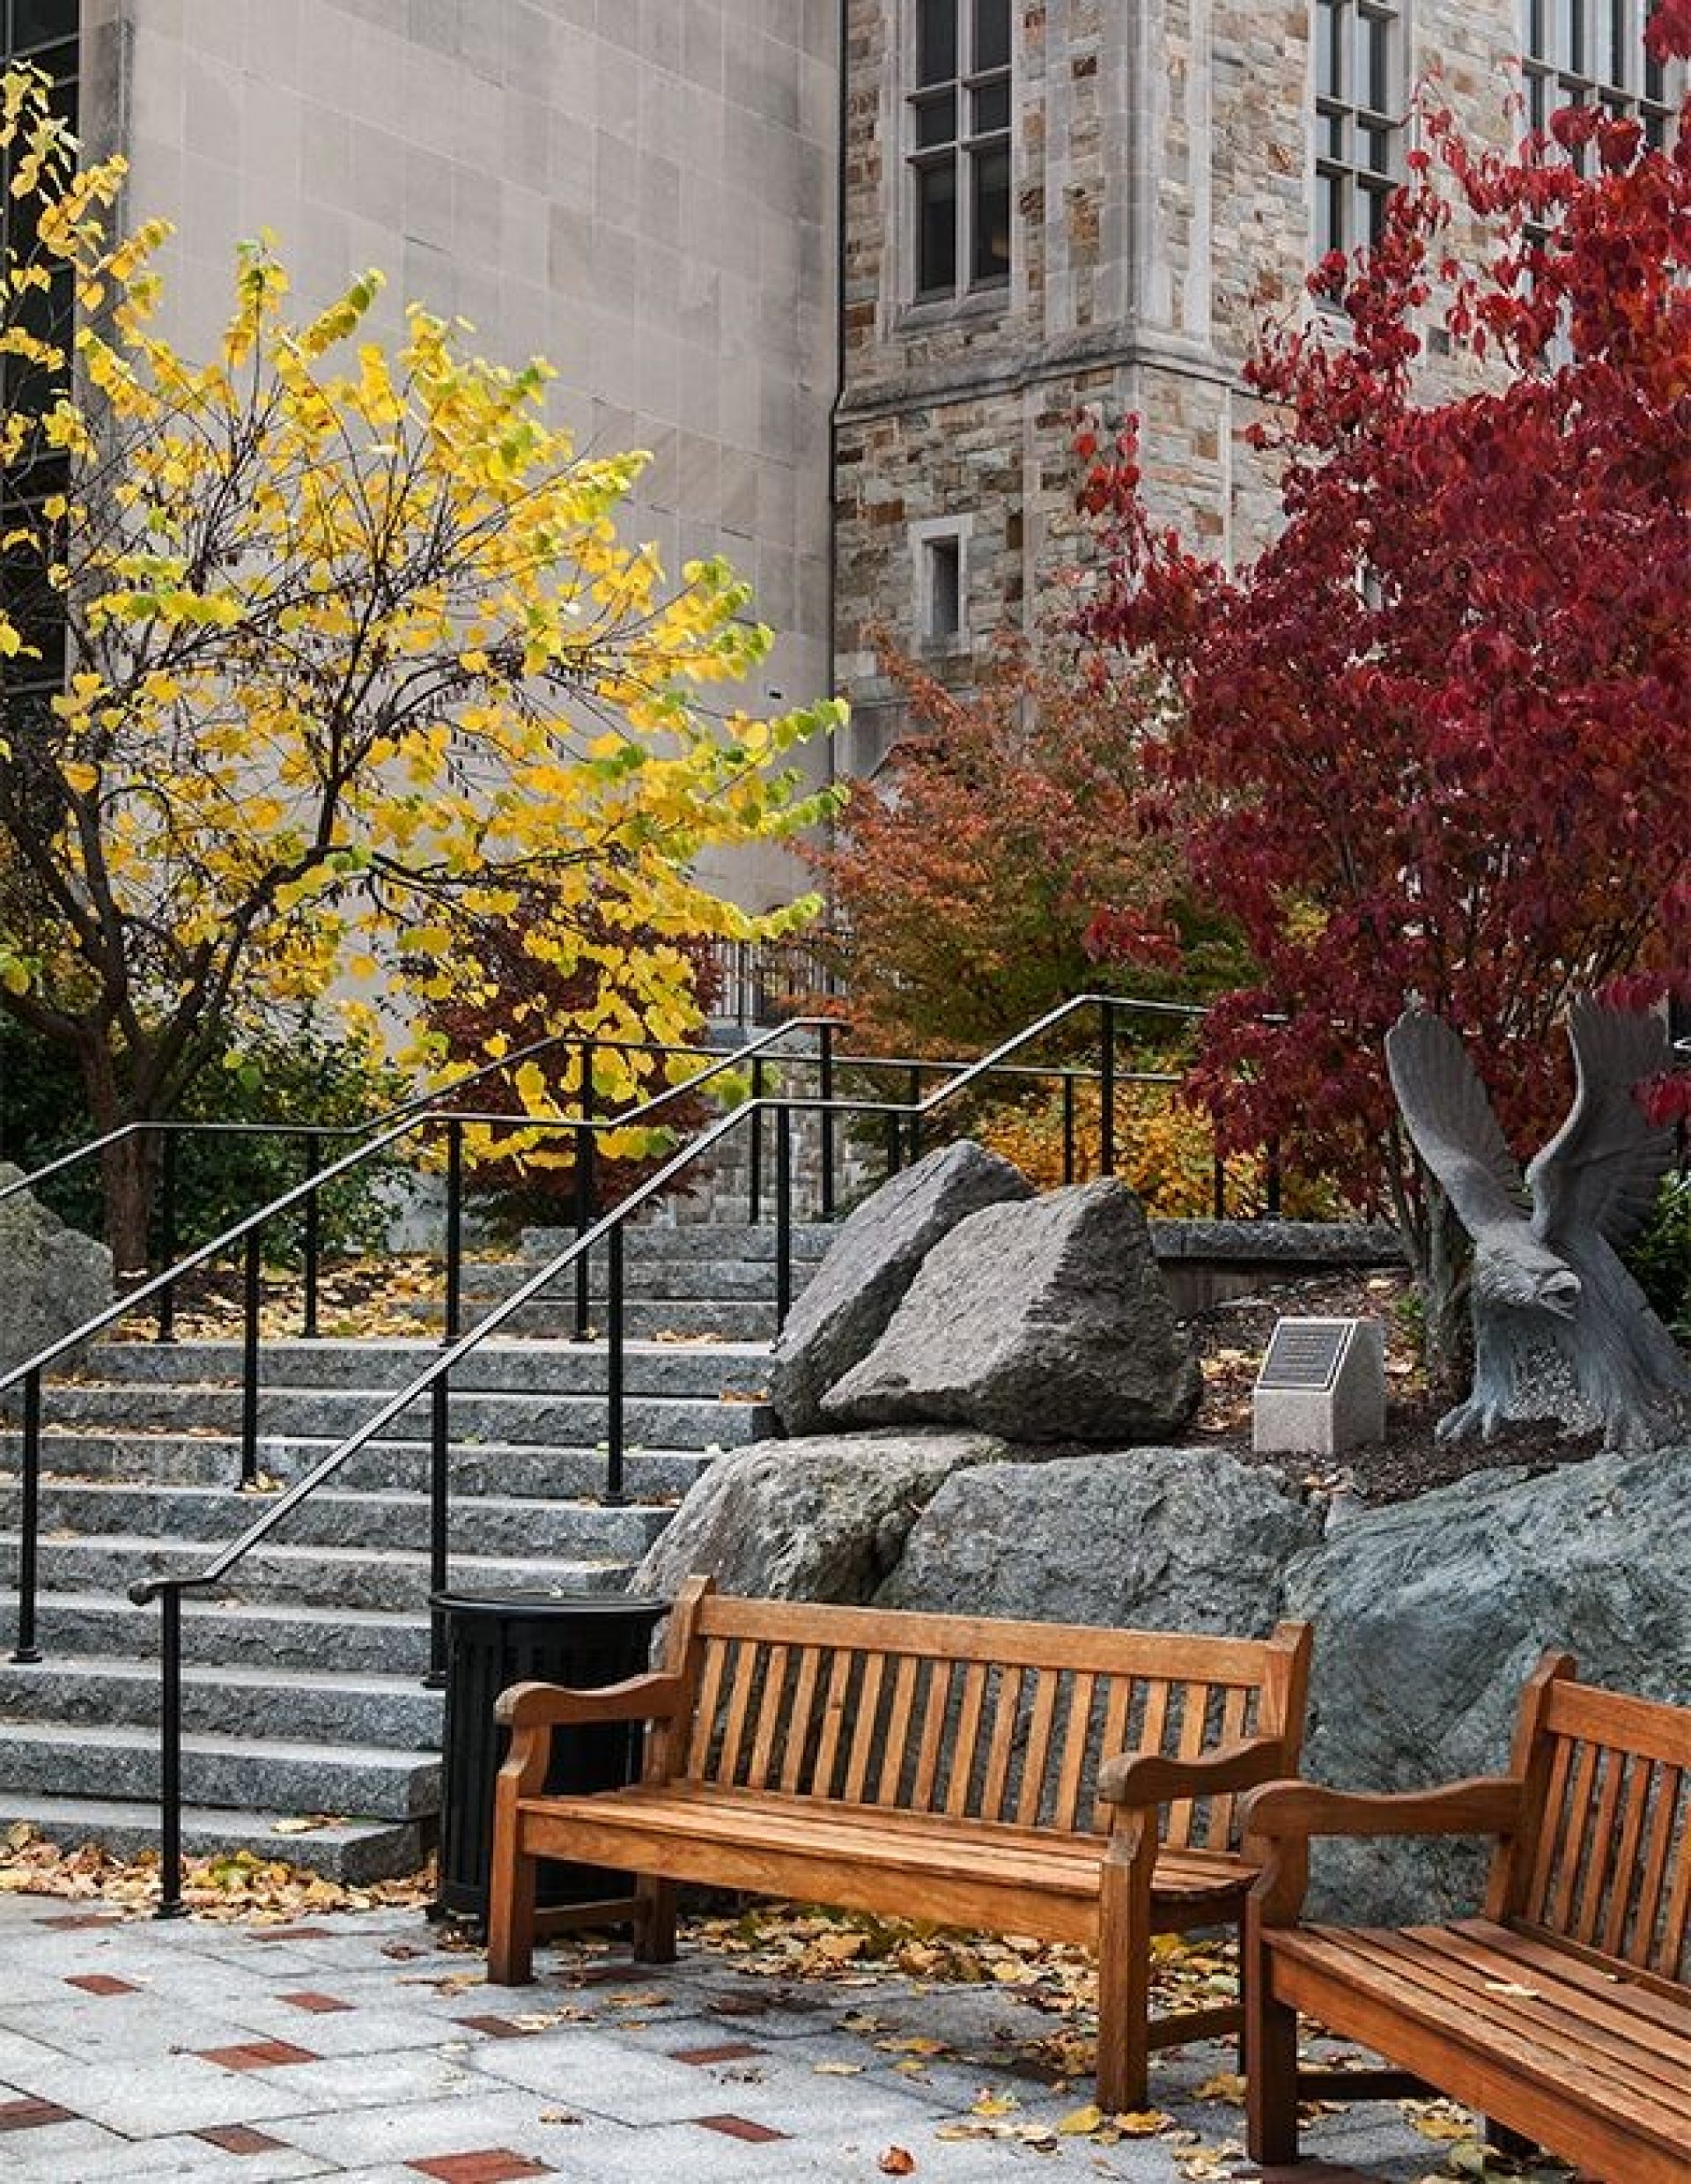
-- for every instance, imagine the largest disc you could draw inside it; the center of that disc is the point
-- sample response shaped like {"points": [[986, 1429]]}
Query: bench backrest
{"points": [[1605, 1858], [964, 1716]]}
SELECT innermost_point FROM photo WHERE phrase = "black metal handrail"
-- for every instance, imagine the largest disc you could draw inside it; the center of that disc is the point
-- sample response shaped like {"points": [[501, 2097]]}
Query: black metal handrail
{"points": [[434, 1381]]}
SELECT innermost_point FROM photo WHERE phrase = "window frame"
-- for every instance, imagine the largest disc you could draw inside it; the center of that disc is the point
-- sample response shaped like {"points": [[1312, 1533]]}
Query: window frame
{"points": [[960, 151], [935, 540], [1348, 117], [1558, 71]]}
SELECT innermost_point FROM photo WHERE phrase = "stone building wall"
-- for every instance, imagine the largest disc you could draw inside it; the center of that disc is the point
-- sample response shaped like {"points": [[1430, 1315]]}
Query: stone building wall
{"points": [[1164, 203], [641, 193]]}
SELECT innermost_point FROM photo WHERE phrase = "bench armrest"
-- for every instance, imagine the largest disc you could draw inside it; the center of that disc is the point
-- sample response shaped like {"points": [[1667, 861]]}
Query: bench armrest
{"points": [[1282, 1811], [1148, 1778], [1278, 1820], [555, 1706]]}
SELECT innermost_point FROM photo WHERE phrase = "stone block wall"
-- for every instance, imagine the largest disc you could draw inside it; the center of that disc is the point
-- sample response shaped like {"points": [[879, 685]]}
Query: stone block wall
{"points": [[1163, 201]]}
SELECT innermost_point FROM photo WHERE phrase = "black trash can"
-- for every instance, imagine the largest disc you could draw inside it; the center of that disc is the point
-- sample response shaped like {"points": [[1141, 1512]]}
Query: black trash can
{"points": [[496, 1639]]}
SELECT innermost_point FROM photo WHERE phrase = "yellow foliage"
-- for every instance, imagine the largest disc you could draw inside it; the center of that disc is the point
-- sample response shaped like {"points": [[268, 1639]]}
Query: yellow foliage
{"points": [[363, 653]]}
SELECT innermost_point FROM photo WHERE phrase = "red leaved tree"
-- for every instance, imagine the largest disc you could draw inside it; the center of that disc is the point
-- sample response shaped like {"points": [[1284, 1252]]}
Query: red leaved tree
{"points": [[1003, 864], [1435, 740]]}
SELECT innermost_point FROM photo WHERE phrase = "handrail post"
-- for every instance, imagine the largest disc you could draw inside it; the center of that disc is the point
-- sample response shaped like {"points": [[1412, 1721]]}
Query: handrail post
{"points": [[614, 1494], [825, 1086], [166, 1327], [1271, 1180], [439, 1516], [171, 1904], [1106, 1088], [29, 1532], [454, 1303], [783, 1215], [313, 1239], [916, 1110], [1068, 1126], [249, 1362], [755, 1178], [894, 1144], [1218, 1186], [585, 1150]]}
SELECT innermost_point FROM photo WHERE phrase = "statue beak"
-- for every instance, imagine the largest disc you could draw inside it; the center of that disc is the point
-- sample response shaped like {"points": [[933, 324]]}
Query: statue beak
{"points": [[1560, 1294]]}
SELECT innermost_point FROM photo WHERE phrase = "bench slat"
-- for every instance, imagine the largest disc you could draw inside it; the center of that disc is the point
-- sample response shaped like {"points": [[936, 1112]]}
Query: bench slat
{"points": [[764, 1745], [1036, 1759], [1653, 1727], [960, 1779], [1563, 2007], [1600, 1851], [1177, 1655], [1077, 1740], [868, 1708], [804, 1696], [833, 1724], [1641, 1776], [1005, 1705], [1429, 2031], [895, 1749], [924, 1786]]}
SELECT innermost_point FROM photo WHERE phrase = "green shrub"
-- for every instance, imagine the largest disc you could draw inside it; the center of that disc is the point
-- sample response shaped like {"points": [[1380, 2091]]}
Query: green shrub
{"points": [[1660, 1256]]}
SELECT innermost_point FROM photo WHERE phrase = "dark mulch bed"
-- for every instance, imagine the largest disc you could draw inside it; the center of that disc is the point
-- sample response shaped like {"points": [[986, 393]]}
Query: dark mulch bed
{"points": [[1231, 1337]]}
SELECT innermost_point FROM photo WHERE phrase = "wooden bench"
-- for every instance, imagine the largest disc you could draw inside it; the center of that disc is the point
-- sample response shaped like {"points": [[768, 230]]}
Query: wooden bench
{"points": [[996, 1776], [1564, 2014]]}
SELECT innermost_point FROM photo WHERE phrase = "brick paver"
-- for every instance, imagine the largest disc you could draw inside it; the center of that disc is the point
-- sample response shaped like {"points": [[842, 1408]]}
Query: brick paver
{"points": [[600, 2070]]}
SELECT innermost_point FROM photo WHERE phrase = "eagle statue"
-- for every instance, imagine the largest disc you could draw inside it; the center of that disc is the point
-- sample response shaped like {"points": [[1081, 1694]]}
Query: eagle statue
{"points": [[1561, 1329]]}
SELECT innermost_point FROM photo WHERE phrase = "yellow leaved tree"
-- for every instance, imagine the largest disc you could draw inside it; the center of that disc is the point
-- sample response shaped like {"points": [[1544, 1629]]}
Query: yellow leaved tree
{"points": [[354, 661]]}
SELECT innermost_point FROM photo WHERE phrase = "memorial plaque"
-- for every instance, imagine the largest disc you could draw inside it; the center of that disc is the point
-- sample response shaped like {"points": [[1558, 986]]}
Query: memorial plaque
{"points": [[1304, 1354], [1321, 1389]]}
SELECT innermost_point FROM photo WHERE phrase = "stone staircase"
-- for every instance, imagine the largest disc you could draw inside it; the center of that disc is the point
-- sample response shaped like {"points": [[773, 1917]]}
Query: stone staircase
{"points": [[303, 1691]]}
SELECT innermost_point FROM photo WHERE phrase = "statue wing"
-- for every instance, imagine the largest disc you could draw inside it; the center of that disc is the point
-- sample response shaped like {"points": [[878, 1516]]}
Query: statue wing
{"points": [[1602, 1169], [1450, 1117]]}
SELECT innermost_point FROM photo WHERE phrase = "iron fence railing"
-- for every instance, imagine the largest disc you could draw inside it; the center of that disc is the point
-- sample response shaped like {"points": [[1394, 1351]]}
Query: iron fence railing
{"points": [[902, 1123]]}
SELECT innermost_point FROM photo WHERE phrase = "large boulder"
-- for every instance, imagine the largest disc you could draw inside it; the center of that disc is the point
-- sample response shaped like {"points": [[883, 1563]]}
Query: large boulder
{"points": [[56, 1278], [1146, 1539], [1431, 1614], [871, 1264], [819, 1519], [1046, 1321]]}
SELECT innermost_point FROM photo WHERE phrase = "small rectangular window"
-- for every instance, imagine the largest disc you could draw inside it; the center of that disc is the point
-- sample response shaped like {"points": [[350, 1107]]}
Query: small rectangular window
{"points": [[940, 547]]}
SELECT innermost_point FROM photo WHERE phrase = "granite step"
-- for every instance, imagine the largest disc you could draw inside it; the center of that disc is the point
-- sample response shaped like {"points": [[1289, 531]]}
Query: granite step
{"points": [[352, 1782], [355, 1852], [492, 1467], [288, 1634], [326, 1577], [373, 1523], [326, 1705]]}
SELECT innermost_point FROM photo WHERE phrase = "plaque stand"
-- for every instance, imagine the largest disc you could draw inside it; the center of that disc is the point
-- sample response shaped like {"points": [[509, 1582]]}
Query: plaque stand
{"points": [[1321, 1389]]}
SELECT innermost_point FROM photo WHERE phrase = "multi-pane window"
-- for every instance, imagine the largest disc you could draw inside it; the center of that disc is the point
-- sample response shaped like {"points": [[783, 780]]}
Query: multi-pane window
{"points": [[1358, 119], [1583, 53], [44, 33], [960, 145]]}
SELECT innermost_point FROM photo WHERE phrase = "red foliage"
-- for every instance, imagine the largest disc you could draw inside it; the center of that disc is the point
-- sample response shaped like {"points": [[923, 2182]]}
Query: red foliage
{"points": [[1438, 734]]}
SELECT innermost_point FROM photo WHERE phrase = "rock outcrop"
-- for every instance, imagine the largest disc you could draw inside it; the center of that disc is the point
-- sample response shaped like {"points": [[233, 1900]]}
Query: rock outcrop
{"points": [[1040, 1322], [870, 1266], [821, 1519], [56, 1278]]}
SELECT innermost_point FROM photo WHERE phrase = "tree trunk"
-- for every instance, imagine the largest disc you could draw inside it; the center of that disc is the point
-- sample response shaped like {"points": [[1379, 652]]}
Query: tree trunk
{"points": [[128, 1169]]}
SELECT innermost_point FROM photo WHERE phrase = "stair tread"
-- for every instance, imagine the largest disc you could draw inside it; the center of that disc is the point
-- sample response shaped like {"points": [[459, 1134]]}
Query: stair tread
{"points": [[218, 1821], [385, 1497], [108, 1668], [206, 1744], [251, 1611], [155, 1543]]}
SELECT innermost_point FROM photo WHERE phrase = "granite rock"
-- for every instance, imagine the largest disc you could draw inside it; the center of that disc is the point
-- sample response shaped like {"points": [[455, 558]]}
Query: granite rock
{"points": [[872, 1263], [1040, 1322]]}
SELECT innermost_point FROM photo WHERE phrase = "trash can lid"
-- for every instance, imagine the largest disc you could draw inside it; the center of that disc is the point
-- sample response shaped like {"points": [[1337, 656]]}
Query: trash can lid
{"points": [[539, 1601]]}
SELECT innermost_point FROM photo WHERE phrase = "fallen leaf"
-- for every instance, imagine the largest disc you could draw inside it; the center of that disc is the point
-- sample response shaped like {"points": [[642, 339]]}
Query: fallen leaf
{"points": [[897, 2161]]}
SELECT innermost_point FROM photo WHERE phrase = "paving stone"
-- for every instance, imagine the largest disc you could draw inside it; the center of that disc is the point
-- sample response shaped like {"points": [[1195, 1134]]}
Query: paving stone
{"points": [[718, 2087]]}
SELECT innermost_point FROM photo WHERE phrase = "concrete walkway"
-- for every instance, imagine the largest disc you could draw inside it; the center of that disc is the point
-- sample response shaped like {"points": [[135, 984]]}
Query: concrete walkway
{"points": [[358, 2047]]}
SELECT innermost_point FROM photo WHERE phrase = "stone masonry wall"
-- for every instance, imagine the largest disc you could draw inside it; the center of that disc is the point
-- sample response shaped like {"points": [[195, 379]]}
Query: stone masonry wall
{"points": [[1163, 199]]}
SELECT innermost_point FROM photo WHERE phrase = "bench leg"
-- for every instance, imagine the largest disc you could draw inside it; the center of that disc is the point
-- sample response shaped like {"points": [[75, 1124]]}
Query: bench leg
{"points": [[1270, 2064], [510, 1912], [1124, 1976], [654, 1921]]}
